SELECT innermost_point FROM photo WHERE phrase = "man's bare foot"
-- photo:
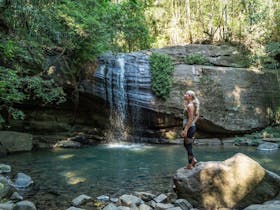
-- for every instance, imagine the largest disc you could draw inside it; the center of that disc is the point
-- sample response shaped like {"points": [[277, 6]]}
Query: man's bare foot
{"points": [[189, 166], [194, 161]]}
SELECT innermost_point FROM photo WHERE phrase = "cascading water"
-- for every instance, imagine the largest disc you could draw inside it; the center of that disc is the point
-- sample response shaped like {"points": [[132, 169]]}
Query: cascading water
{"points": [[117, 97], [124, 82]]}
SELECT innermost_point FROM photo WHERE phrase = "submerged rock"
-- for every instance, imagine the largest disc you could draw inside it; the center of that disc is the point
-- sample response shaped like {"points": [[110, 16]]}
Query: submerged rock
{"points": [[22, 180], [24, 205], [234, 183], [268, 146]]}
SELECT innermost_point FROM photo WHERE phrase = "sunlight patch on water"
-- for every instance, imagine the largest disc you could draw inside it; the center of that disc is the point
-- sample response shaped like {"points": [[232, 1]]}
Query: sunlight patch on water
{"points": [[72, 178], [123, 145], [67, 156]]}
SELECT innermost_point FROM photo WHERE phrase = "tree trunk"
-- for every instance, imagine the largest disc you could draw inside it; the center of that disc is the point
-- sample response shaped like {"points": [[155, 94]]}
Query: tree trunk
{"points": [[189, 20]]}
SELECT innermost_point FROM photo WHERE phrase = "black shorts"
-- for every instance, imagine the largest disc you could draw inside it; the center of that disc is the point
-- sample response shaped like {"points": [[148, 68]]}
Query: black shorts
{"points": [[191, 131]]}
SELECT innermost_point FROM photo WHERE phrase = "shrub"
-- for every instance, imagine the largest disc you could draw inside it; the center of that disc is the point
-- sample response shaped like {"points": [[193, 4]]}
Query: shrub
{"points": [[15, 90], [162, 70], [196, 59]]}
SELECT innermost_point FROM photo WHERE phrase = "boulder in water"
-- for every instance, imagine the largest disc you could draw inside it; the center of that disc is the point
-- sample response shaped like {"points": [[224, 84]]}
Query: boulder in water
{"points": [[5, 168], [22, 180], [234, 183], [4, 187], [268, 146]]}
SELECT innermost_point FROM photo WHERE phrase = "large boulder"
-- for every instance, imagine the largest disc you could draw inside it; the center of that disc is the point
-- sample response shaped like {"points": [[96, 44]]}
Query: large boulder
{"points": [[234, 183], [16, 141]]}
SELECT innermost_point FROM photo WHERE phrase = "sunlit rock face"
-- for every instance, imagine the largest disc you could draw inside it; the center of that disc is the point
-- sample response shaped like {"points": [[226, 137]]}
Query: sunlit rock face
{"points": [[234, 183], [234, 99]]}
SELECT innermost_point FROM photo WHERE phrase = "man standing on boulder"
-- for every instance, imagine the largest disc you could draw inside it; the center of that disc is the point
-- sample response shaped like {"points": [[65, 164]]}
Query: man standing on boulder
{"points": [[191, 115]]}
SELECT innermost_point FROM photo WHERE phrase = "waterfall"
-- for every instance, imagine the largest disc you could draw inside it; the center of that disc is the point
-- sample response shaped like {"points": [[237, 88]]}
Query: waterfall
{"points": [[123, 81], [117, 98]]}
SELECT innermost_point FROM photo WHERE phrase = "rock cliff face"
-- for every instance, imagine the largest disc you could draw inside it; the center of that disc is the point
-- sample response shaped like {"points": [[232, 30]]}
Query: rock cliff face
{"points": [[233, 99]]}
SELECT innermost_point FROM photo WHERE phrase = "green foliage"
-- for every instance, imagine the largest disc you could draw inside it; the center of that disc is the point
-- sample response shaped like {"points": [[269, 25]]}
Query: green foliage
{"points": [[10, 94], [273, 49], [8, 49], [38, 34], [254, 139], [84, 29], [247, 141], [10, 83], [268, 58], [247, 22], [273, 52], [162, 70], [37, 88], [133, 27], [271, 132], [196, 59], [15, 90]]}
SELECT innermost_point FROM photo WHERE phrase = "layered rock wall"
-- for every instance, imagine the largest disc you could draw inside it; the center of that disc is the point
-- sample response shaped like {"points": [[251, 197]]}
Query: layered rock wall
{"points": [[234, 99]]}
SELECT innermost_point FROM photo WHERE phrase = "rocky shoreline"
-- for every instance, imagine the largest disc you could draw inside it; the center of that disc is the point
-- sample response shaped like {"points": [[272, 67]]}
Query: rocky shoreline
{"points": [[11, 197], [13, 142]]}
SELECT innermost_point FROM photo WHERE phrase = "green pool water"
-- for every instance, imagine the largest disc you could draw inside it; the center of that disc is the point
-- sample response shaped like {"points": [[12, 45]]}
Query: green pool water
{"points": [[61, 175]]}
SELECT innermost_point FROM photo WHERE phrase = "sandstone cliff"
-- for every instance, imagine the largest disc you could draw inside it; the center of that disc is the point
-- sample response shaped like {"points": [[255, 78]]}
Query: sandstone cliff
{"points": [[234, 97]]}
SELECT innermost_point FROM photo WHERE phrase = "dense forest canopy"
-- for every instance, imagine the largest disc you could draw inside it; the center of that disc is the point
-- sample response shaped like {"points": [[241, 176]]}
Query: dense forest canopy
{"points": [[38, 34]]}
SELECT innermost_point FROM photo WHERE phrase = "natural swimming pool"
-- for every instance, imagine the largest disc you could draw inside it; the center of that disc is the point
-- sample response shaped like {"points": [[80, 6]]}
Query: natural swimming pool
{"points": [[61, 175]]}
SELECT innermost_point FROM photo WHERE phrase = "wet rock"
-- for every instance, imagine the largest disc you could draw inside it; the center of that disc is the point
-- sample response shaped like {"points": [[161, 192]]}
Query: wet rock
{"points": [[5, 168], [103, 198], [81, 138], [114, 200], [16, 196], [74, 208], [152, 203], [67, 144], [163, 206], [22, 180], [124, 208], [7, 206], [271, 206], [213, 185], [144, 207], [160, 198], [145, 196], [24, 205], [268, 146], [128, 200], [184, 204], [110, 206], [4, 187], [80, 200], [175, 208], [16, 141]]}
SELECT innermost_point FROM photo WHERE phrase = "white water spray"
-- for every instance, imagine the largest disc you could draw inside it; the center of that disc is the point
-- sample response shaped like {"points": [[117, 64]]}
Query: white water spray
{"points": [[117, 97]]}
